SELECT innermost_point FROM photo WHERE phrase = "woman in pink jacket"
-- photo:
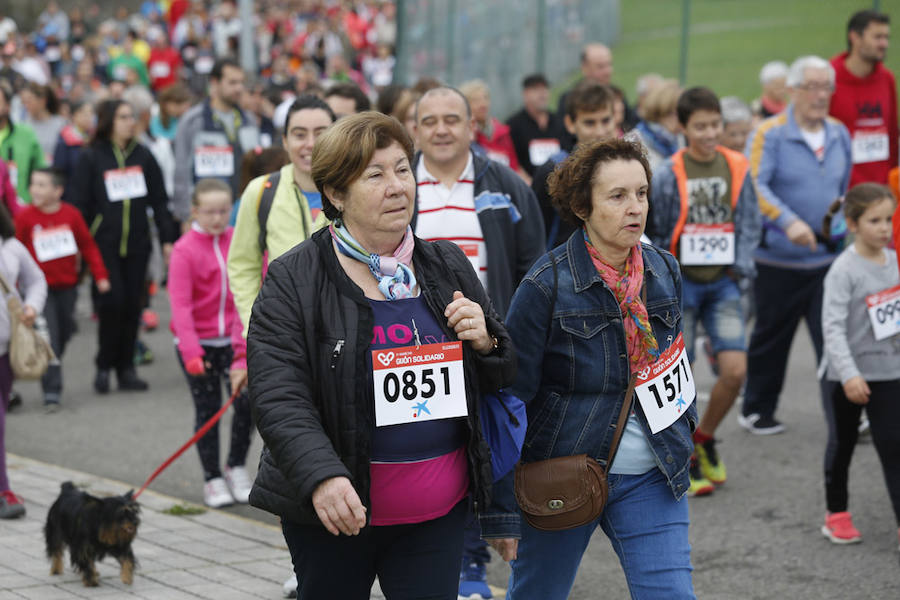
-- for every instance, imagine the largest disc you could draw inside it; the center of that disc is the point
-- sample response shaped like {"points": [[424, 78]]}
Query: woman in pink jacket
{"points": [[208, 337]]}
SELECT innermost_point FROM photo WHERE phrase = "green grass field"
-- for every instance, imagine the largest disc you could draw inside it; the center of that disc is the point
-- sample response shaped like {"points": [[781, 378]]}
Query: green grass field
{"points": [[731, 39]]}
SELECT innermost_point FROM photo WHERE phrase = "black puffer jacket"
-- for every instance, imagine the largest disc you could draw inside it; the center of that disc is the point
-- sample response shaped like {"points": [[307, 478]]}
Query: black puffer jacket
{"points": [[310, 329]]}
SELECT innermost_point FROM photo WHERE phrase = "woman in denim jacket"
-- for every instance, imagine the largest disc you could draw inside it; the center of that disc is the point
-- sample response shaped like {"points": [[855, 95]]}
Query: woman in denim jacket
{"points": [[574, 368]]}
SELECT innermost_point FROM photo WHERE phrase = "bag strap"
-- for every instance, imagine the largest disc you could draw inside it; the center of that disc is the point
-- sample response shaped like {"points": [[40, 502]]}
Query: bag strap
{"points": [[553, 294], [6, 289], [626, 406], [264, 206]]}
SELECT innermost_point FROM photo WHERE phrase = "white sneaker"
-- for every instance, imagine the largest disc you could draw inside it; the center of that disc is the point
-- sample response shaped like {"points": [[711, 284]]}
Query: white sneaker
{"points": [[239, 483], [289, 589], [216, 494]]}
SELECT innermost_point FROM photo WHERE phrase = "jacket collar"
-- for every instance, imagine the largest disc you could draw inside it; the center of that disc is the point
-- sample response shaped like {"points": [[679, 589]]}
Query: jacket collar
{"points": [[794, 132], [584, 273]]}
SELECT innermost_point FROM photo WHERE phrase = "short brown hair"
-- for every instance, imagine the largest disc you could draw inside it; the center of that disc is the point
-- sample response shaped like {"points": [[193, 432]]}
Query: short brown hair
{"points": [[204, 186], [344, 150], [570, 184], [588, 97]]}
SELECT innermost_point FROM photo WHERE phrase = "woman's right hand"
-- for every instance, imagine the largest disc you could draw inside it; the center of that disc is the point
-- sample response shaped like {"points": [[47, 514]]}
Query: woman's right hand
{"points": [[857, 390], [338, 506], [507, 548]]}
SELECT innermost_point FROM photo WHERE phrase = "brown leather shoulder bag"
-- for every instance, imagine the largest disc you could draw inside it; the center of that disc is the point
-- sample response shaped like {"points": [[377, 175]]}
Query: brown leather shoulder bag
{"points": [[567, 491]]}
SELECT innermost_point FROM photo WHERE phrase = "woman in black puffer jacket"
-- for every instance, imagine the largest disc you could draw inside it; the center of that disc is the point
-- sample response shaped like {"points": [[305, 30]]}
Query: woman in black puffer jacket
{"points": [[368, 352]]}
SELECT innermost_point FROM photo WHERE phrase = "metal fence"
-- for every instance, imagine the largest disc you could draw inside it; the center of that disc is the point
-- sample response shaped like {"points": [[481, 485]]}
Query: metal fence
{"points": [[499, 41]]}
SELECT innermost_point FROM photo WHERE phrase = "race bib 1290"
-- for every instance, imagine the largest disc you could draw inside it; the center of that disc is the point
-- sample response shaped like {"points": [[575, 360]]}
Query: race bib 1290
{"points": [[707, 245], [418, 383], [666, 388], [884, 312]]}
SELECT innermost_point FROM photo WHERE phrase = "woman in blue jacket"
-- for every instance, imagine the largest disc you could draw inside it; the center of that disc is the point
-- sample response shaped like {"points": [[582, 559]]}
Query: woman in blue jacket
{"points": [[583, 331]]}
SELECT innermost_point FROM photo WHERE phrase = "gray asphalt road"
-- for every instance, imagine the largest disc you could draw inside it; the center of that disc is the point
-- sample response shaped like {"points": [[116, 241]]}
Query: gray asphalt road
{"points": [[756, 537]]}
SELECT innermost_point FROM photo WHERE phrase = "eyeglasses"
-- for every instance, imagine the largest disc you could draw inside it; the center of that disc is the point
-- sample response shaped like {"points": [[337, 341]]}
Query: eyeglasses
{"points": [[816, 87]]}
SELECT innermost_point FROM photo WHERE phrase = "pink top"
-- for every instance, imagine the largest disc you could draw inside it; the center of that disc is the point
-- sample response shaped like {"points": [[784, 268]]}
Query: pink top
{"points": [[445, 478], [202, 305]]}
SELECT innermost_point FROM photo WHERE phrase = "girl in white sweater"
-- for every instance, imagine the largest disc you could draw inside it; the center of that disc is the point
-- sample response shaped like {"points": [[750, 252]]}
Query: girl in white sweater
{"points": [[861, 330]]}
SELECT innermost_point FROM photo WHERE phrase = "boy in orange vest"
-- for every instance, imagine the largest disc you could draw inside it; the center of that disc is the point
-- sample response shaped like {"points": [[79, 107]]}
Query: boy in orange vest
{"points": [[703, 209]]}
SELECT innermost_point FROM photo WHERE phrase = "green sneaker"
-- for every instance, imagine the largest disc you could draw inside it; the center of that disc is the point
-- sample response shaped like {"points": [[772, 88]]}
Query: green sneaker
{"points": [[700, 485], [711, 465]]}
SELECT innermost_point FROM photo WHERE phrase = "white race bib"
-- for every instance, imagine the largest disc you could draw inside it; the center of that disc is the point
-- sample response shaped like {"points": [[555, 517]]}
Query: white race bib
{"points": [[870, 146], [54, 242], [204, 64], [540, 150], [160, 70], [666, 389], [499, 157], [884, 312], [705, 245], [419, 383], [213, 161], [125, 183]]}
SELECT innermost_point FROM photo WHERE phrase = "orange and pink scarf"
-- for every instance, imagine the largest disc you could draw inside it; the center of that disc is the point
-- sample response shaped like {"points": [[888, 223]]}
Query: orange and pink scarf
{"points": [[643, 349]]}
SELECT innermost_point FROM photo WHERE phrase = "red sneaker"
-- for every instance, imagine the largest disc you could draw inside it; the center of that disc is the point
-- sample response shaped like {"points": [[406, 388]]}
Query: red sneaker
{"points": [[11, 506], [150, 319], [839, 528]]}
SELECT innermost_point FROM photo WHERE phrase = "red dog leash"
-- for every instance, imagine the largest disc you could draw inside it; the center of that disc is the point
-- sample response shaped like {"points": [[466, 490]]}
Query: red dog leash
{"points": [[200, 433]]}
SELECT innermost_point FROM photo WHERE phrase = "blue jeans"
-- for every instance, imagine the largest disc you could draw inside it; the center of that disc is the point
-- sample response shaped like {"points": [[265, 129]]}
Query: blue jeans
{"points": [[648, 529], [718, 306]]}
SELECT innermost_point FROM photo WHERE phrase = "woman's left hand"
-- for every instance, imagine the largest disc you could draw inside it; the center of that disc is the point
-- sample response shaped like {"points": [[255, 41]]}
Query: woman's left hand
{"points": [[28, 315], [467, 319], [238, 378]]}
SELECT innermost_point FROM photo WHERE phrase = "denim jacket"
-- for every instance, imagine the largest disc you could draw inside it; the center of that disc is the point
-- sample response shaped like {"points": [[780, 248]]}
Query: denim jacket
{"points": [[573, 380]]}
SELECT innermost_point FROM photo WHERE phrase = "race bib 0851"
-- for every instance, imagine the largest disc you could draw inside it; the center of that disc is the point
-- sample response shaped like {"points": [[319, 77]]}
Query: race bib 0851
{"points": [[418, 383]]}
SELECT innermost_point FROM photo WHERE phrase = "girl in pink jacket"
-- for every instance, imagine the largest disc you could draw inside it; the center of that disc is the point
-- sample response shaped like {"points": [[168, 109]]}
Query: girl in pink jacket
{"points": [[208, 338]]}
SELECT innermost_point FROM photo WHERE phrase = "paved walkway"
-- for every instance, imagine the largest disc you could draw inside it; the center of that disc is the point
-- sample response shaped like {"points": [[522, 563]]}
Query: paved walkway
{"points": [[214, 555], [210, 555]]}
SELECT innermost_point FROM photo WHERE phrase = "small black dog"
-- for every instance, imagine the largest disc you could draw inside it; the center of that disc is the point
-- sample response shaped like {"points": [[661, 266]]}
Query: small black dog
{"points": [[92, 528]]}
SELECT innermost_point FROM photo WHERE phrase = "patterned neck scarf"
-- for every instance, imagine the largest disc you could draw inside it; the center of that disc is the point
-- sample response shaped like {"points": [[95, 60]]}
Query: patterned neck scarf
{"points": [[643, 349], [395, 279]]}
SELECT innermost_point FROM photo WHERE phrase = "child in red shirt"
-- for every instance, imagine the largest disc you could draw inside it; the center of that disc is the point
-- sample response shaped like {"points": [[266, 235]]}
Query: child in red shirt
{"points": [[55, 233]]}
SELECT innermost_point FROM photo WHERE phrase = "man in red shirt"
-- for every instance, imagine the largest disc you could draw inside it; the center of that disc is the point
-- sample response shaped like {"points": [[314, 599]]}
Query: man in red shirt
{"points": [[164, 63], [865, 97]]}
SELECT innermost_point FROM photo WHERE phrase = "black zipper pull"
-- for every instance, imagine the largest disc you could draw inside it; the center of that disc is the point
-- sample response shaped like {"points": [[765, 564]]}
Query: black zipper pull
{"points": [[336, 353]]}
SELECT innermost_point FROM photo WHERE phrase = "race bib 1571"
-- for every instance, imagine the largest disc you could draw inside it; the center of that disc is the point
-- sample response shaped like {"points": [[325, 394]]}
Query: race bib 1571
{"points": [[666, 388], [418, 383]]}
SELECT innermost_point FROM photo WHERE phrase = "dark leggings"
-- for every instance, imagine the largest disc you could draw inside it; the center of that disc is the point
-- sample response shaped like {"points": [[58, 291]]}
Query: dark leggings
{"points": [[206, 391], [119, 310], [413, 562], [843, 416]]}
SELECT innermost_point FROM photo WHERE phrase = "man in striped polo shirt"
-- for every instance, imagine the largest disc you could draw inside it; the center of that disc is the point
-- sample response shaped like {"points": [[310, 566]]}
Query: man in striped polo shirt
{"points": [[487, 210]]}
